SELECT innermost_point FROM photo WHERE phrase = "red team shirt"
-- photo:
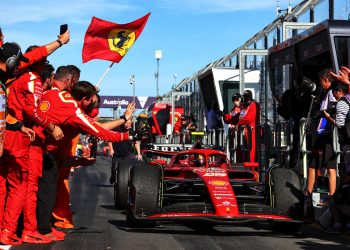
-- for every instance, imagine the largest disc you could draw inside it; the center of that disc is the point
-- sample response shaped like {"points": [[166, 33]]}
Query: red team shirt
{"points": [[61, 109], [247, 116], [33, 56], [24, 95]]}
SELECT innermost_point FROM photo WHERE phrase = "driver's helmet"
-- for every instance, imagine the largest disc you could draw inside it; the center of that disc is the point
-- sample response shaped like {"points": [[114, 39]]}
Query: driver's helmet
{"points": [[200, 161]]}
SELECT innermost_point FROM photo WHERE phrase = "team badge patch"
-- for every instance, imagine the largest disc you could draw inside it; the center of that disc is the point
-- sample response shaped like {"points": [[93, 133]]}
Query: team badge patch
{"points": [[120, 40]]}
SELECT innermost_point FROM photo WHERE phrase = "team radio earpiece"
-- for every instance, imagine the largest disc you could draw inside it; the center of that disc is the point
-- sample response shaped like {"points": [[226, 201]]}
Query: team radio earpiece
{"points": [[11, 62]]}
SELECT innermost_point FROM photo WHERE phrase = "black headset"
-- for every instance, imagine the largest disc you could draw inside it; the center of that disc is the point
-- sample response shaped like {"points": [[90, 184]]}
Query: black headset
{"points": [[11, 62]]}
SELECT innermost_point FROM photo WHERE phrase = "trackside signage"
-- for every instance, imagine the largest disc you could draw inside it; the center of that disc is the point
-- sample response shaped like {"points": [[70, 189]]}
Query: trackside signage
{"points": [[171, 148], [141, 102]]}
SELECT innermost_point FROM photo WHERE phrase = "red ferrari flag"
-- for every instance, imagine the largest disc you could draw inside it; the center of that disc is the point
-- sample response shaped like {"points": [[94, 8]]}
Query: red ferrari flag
{"points": [[111, 41]]}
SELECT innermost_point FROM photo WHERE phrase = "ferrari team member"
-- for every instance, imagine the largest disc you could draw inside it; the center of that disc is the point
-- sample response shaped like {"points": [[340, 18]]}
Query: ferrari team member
{"points": [[61, 211], [247, 114], [75, 73], [66, 76], [62, 81], [30, 233], [11, 60], [19, 62], [68, 110], [233, 117], [24, 94], [10, 56], [47, 76]]}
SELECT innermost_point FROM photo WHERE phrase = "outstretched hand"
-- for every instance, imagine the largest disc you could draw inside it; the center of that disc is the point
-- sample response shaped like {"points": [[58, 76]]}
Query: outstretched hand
{"points": [[130, 109], [65, 37], [343, 75]]}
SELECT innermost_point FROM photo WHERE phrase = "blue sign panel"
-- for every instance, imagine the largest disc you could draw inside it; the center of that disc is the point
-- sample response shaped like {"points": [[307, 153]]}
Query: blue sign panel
{"points": [[141, 102]]}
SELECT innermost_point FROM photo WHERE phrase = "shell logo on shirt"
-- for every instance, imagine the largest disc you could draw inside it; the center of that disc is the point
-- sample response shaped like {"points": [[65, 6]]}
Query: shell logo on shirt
{"points": [[44, 106]]}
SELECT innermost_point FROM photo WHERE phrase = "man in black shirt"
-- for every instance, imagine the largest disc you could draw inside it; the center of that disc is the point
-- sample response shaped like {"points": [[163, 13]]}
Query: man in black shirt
{"points": [[122, 150]]}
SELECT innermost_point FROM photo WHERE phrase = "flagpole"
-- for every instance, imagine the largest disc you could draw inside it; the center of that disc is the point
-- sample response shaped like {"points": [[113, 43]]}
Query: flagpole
{"points": [[104, 75]]}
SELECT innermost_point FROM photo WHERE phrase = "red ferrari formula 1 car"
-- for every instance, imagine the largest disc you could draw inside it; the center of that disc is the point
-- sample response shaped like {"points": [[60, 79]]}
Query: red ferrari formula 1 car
{"points": [[200, 185]]}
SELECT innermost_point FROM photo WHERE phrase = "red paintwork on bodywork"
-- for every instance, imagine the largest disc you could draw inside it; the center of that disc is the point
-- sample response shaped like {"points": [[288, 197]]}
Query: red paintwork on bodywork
{"points": [[217, 180]]}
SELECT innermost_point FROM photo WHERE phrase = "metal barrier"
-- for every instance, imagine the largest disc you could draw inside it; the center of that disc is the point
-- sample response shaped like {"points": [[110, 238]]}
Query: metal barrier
{"points": [[215, 137], [188, 137], [161, 139], [281, 140], [303, 148], [197, 136]]}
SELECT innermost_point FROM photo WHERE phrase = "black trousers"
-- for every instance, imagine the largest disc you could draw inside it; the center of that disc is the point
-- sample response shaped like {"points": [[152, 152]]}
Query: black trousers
{"points": [[47, 193]]}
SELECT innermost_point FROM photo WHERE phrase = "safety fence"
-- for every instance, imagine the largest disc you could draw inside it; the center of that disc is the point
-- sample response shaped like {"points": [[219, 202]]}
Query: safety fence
{"points": [[279, 144], [215, 138]]}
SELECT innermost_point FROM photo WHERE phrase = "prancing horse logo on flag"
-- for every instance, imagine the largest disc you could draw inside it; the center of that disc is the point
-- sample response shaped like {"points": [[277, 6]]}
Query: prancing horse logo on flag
{"points": [[120, 40]]}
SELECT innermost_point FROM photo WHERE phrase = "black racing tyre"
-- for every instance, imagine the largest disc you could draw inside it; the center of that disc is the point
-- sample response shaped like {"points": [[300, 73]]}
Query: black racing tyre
{"points": [[121, 184], [287, 196], [144, 194]]}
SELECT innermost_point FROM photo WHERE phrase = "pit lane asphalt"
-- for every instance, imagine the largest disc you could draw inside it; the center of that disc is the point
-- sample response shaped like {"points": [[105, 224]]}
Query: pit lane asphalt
{"points": [[100, 226]]}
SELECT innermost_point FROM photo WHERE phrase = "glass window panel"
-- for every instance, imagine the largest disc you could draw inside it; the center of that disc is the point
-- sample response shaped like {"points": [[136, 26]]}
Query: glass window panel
{"points": [[342, 45]]}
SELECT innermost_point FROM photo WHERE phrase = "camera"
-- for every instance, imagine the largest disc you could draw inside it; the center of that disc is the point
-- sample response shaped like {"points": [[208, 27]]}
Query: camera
{"points": [[306, 87], [143, 131]]}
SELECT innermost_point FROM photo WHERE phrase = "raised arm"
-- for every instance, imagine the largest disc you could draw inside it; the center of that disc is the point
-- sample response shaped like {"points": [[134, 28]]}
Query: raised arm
{"points": [[41, 52], [130, 109], [87, 125]]}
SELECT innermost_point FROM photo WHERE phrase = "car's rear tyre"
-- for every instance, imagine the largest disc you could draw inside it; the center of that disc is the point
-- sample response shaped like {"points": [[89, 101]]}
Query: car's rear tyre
{"points": [[121, 184], [287, 197], [144, 194]]}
